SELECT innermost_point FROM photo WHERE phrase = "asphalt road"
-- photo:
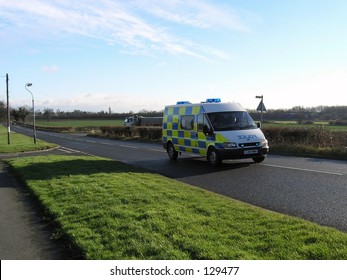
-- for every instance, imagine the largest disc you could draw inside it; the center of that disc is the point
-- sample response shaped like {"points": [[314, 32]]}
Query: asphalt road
{"points": [[314, 189]]}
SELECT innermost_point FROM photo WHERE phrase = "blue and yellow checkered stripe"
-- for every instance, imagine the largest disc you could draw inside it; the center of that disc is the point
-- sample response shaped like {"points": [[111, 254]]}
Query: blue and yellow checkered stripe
{"points": [[184, 140]]}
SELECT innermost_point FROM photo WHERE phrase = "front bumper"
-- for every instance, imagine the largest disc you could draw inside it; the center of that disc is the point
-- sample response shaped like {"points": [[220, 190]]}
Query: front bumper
{"points": [[243, 153]]}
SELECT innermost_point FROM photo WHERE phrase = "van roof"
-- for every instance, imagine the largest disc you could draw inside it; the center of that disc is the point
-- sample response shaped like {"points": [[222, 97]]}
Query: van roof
{"points": [[214, 107], [222, 107]]}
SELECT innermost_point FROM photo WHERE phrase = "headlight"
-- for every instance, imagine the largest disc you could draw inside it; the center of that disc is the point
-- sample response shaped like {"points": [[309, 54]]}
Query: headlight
{"points": [[264, 142], [229, 145]]}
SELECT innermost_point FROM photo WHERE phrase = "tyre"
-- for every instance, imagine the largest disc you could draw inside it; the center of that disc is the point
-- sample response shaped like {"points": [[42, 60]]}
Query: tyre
{"points": [[258, 159], [213, 157], [173, 154]]}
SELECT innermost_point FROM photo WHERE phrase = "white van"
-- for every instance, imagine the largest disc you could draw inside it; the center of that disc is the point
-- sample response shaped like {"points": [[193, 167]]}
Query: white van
{"points": [[212, 129]]}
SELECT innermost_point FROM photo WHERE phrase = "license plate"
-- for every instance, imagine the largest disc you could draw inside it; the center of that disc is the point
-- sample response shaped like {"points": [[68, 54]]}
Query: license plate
{"points": [[250, 152]]}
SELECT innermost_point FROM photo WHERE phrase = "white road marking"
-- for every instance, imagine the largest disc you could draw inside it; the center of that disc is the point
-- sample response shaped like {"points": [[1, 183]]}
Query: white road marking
{"points": [[302, 169], [69, 151], [126, 146], [104, 143], [64, 150], [155, 150], [90, 141]]}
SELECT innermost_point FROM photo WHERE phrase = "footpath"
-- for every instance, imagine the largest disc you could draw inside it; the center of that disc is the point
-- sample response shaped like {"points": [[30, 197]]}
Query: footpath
{"points": [[25, 234]]}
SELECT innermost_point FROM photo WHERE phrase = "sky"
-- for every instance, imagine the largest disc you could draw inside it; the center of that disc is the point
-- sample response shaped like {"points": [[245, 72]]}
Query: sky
{"points": [[145, 54]]}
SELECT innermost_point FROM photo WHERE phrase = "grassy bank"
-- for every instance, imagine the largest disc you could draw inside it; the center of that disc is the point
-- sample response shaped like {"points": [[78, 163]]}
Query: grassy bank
{"points": [[113, 211], [20, 143]]}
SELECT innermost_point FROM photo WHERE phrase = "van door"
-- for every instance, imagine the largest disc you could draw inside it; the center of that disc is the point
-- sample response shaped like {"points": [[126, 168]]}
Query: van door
{"points": [[205, 133]]}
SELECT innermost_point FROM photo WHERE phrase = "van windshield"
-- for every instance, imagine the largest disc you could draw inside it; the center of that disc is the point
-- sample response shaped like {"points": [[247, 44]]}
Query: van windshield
{"points": [[222, 121]]}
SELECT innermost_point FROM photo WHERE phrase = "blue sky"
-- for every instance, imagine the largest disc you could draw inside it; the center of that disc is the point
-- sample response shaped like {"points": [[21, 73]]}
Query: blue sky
{"points": [[145, 54]]}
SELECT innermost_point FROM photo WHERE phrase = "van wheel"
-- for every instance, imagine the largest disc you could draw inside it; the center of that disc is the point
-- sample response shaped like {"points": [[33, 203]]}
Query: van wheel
{"points": [[173, 154], [258, 159], [213, 157]]}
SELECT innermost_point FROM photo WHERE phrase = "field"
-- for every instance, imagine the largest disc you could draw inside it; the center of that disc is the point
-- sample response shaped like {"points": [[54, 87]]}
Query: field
{"points": [[80, 123], [296, 124], [110, 210]]}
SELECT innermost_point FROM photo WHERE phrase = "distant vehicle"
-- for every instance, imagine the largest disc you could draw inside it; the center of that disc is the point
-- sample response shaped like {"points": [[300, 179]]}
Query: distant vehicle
{"points": [[212, 129], [143, 121]]}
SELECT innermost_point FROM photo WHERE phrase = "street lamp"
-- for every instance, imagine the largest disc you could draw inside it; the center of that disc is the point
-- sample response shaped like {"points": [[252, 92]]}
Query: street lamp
{"points": [[33, 103], [261, 105]]}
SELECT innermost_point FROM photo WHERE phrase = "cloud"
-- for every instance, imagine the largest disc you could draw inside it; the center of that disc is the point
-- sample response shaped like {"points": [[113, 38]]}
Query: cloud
{"points": [[322, 88], [119, 102], [124, 23], [50, 69], [195, 13]]}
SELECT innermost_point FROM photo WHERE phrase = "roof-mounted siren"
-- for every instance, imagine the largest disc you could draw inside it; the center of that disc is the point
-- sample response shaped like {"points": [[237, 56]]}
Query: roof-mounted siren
{"points": [[182, 102], [213, 100]]}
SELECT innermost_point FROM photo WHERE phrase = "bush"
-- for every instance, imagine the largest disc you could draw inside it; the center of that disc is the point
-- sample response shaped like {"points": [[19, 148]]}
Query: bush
{"points": [[58, 129], [119, 131], [338, 122], [148, 132], [311, 141], [142, 132], [318, 137]]}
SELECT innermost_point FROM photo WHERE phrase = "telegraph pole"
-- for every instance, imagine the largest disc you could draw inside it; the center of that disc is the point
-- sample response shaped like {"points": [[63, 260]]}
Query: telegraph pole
{"points": [[8, 114]]}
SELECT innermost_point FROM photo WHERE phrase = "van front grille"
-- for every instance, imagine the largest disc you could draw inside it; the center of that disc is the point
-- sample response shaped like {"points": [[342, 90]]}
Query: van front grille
{"points": [[252, 144]]}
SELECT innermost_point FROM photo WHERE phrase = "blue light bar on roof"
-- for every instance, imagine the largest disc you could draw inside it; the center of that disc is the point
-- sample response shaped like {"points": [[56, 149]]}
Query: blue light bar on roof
{"points": [[182, 102], [213, 100]]}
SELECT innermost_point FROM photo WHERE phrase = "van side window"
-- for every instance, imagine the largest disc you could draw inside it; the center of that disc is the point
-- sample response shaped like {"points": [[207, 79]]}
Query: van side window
{"points": [[203, 122], [187, 122]]}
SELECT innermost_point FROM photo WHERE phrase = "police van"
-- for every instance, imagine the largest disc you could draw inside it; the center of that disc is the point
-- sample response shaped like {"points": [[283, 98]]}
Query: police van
{"points": [[212, 129]]}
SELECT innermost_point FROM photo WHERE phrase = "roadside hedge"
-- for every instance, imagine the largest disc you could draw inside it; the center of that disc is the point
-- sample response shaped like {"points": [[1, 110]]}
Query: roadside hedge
{"points": [[304, 141], [319, 137], [145, 132], [310, 141], [119, 131], [58, 129]]}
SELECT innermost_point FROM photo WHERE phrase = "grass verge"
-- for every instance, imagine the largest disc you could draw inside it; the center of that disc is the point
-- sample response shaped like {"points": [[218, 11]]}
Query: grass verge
{"points": [[114, 211], [338, 153], [20, 143]]}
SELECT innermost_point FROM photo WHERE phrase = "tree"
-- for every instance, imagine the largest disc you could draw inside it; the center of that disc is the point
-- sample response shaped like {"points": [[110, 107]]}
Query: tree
{"points": [[21, 113], [48, 113], [2, 111], [15, 114]]}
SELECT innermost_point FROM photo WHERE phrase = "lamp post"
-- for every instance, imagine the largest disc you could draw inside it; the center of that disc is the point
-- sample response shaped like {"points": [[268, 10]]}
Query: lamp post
{"points": [[33, 103], [261, 105]]}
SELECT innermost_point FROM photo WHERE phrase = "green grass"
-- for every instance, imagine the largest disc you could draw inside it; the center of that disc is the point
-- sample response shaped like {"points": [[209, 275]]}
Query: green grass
{"points": [[296, 124], [80, 123], [339, 153], [113, 211], [20, 143]]}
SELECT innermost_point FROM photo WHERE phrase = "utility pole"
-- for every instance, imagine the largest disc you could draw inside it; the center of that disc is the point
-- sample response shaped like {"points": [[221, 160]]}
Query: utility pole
{"points": [[8, 114]]}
